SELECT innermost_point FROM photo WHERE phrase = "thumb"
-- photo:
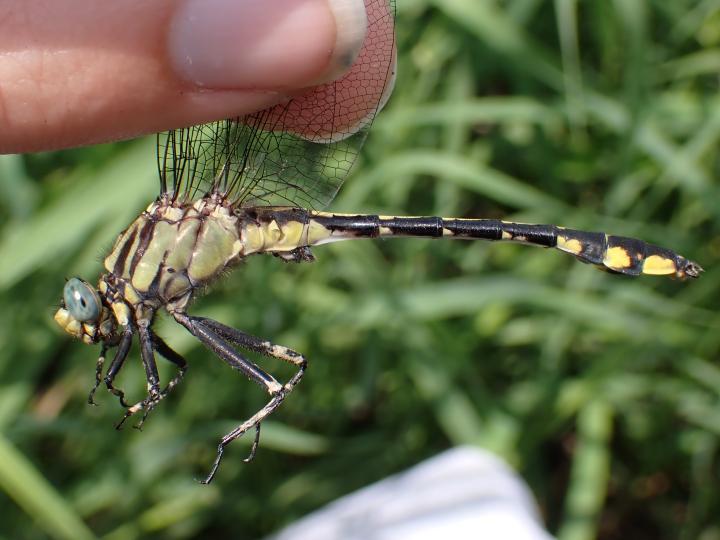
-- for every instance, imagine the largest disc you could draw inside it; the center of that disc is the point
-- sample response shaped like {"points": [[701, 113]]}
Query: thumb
{"points": [[74, 72]]}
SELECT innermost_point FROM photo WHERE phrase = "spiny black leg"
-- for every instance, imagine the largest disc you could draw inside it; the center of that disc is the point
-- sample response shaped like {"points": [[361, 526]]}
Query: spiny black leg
{"points": [[151, 374], [258, 345], [98, 374], [117, 363], [225, 352], [253, 343], [167, 353], [211, 334]]}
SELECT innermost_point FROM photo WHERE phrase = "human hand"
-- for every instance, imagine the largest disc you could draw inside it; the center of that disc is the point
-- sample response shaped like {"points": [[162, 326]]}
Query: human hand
{"points": [[76, 72]]}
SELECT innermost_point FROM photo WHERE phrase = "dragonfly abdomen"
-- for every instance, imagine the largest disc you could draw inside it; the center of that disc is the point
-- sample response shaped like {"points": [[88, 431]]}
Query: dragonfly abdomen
{"points": [[613, 253]]}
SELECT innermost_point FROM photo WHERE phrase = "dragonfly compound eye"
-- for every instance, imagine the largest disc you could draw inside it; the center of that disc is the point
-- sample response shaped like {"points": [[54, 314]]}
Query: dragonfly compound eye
{"points": [[81, 300]]}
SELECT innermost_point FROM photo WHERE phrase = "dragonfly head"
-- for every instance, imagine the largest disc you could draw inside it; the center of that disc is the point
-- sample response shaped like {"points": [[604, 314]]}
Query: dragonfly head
{"points": [[82, 313]]}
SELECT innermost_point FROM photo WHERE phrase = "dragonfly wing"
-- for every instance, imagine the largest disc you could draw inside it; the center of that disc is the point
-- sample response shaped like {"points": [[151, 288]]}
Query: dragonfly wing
{"points": [[294, 154]]}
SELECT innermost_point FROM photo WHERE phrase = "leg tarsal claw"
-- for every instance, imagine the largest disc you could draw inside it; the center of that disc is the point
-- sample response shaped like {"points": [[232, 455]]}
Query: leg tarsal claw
{"points": [[146, 405], [254, 447], [98, 379], [91, 396], [98, 375], [116, 392], [227, 440]]}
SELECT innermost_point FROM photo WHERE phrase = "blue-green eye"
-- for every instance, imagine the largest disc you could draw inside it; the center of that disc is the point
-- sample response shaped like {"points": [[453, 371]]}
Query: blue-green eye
{"points": [[81, 300]]}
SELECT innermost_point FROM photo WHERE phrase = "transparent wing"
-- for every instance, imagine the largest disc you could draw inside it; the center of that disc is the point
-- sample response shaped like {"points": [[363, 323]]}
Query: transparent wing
{"points": [[295, 154]]}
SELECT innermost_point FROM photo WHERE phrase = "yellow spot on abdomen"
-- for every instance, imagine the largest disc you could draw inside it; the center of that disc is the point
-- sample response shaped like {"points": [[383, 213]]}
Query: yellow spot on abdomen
{"points": [[617, 257], [569, 245], [658, 266]]}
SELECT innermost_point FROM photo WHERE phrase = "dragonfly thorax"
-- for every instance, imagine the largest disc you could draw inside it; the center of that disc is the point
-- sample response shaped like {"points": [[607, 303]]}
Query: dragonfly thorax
{"points": [[171, 249]]}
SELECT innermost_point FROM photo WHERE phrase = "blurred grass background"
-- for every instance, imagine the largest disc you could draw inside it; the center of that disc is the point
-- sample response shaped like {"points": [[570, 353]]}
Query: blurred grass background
{"points": [[602, 391]]}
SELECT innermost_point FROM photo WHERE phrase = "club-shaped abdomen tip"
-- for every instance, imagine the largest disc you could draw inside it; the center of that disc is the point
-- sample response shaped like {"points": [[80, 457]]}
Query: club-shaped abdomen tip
{"points": [[690, 269]]}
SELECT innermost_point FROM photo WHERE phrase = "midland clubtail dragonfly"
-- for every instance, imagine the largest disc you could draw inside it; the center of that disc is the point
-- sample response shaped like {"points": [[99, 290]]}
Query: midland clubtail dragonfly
{"points": [[256, 184]]}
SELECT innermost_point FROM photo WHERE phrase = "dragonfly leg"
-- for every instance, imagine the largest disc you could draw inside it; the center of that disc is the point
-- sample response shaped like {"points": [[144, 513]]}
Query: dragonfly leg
{"points": [[151, 374], [215, 337], [112, 371], [254, 421], [253, 343], [98, 374], [297, 255], [170, 355]]}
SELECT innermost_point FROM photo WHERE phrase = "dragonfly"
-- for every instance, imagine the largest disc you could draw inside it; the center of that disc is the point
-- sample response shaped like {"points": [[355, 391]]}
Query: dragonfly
{"points": [[258, 184]]}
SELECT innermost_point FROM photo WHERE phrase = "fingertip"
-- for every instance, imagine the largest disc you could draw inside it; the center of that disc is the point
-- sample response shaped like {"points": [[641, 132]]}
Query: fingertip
{"points": [[270, 45]]}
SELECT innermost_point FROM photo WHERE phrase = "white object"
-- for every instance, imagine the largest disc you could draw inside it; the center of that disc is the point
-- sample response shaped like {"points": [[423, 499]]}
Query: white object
{"points": [[465, 492]]}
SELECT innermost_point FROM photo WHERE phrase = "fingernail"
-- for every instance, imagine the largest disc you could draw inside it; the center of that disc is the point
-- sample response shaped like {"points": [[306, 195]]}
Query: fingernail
{"points": [[351, 27], [265, 44]]}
